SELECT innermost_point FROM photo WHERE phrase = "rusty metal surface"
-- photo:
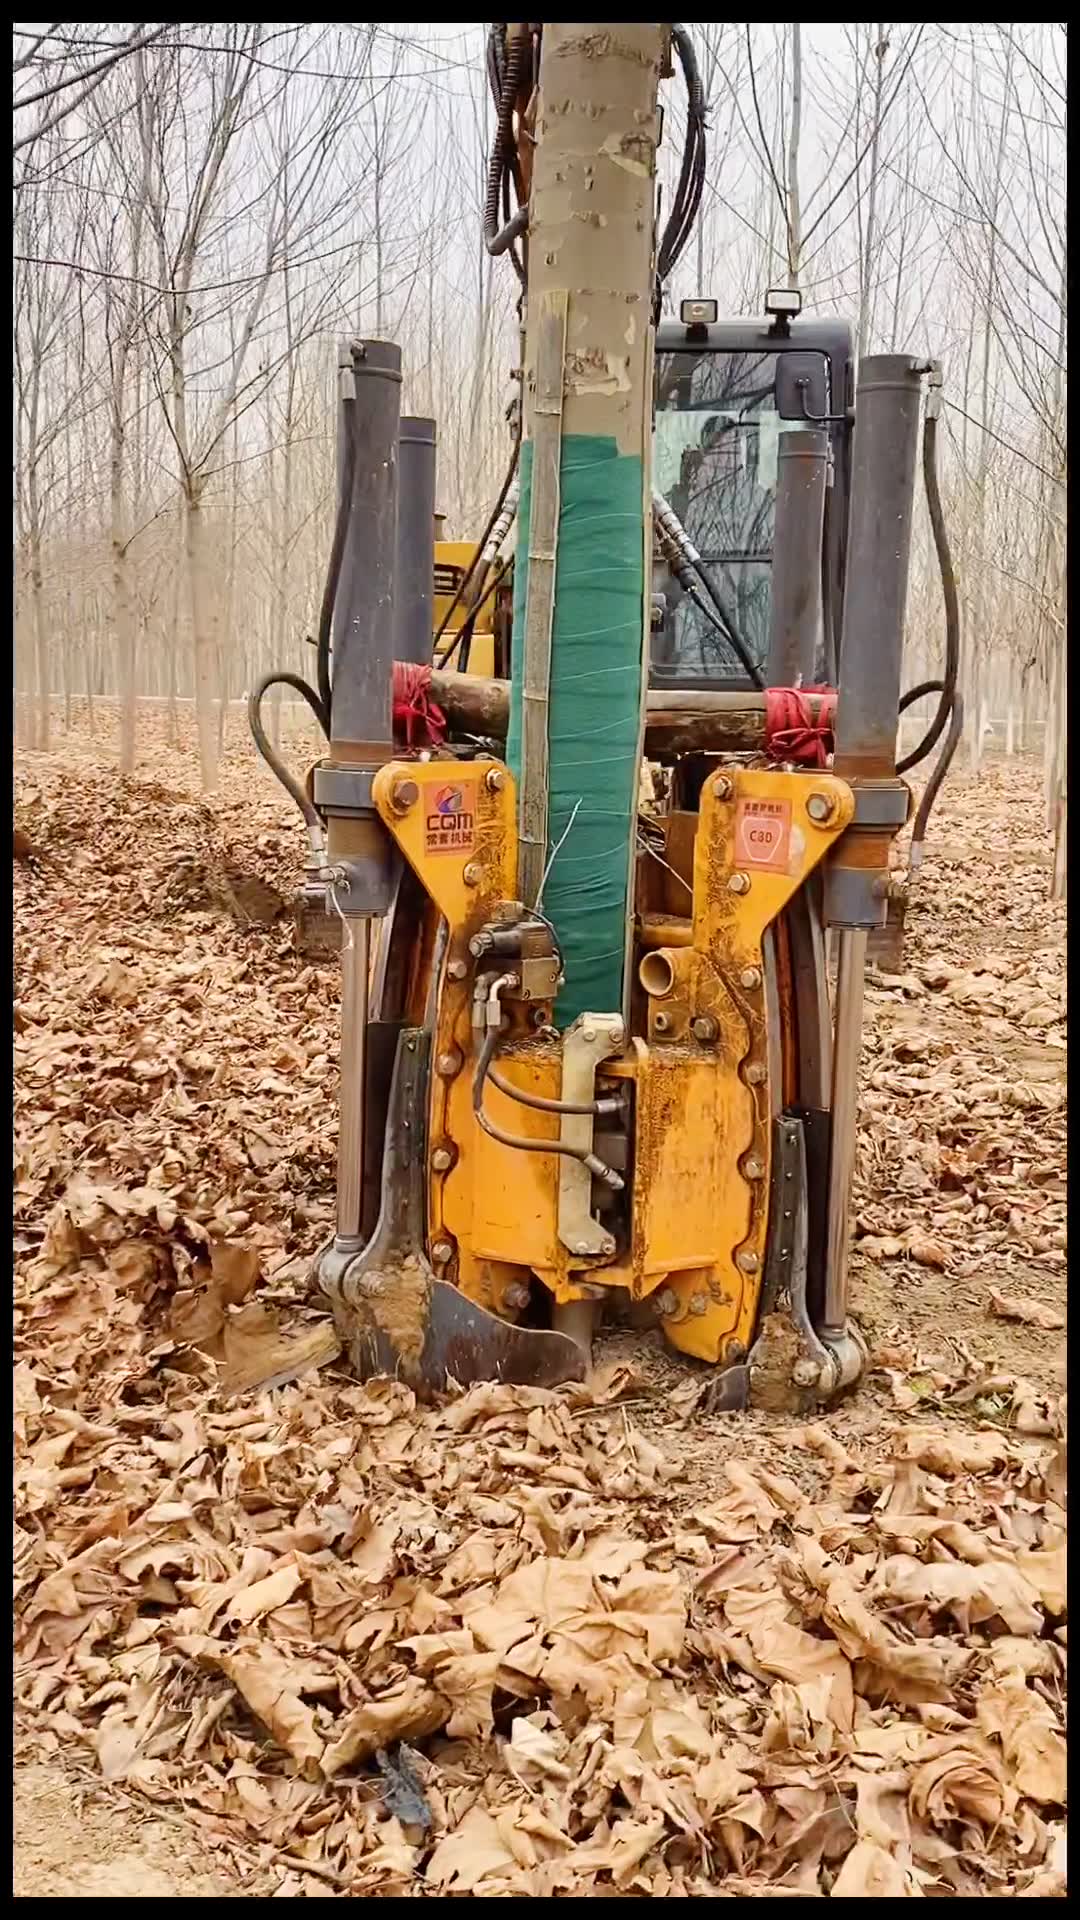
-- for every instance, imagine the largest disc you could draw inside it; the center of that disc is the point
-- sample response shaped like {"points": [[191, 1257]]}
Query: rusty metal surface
{"points": [[393, 1315]]}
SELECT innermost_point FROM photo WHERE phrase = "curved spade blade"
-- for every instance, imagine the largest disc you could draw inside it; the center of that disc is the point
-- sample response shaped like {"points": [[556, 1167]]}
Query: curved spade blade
{"points": [[393, 1315]]}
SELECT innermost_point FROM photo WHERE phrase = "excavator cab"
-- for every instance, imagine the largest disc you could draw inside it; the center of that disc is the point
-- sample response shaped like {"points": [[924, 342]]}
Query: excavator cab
{"points": [[744, 410]]}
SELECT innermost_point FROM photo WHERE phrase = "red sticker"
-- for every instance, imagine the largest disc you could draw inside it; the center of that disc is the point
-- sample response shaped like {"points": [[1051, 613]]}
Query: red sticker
{"points": [[763, 834], [450, 824]]}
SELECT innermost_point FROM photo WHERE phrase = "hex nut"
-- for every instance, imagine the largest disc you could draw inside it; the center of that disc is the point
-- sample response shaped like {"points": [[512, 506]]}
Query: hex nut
{"points": [[516, 1296], [403, 795], [661, 1022], [805, 1373], [441, 1252], [819, 808], [750, 977], [456, 969], [667, 1301], [739, 883], [699, 1304], [747, 1262], [704, 1028]]}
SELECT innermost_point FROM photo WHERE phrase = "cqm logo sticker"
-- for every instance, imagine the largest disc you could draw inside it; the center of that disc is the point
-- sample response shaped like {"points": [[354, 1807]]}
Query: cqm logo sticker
{"points": [[450, 825], [763, 834]]}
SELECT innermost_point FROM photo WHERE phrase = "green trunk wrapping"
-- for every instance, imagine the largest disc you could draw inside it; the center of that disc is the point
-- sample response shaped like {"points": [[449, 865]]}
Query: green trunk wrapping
{"points": [[595, 708]]}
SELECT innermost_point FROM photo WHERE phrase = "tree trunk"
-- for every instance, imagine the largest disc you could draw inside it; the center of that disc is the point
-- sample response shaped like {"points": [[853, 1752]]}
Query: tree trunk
{"points": [[41, 644], [204, 652]]}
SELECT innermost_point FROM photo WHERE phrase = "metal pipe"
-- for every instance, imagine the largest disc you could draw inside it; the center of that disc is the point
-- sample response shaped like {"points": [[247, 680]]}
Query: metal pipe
{"points": [[414, 591], [355, 955], [847, 1044], [576, 1319], [796, 620], [887, 408], [361, 732]]}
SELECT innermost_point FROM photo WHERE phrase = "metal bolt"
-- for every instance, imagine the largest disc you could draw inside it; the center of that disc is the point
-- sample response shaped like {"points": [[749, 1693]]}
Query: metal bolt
{"points": [[516, 1296], [667, 1301], [805, 1373], [403, 795], [456, 969], [750, 977], [538, 1016], [700, 1303], [819, 807], [734, 1352], [441, 1252], [448, 1064], [754, 1074], [753, 1168], [722, 787], [494, 779], [588, 1034], [704, 1027], [617, 1036], [580, 1247], [661, 1022], [607, 1245], [473, 874], [747, 1262], [442, 1159], [739, 883]]}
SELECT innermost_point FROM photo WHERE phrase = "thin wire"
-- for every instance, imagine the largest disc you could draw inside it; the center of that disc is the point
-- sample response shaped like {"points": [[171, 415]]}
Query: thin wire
{"points": [[645, 848], [553, 854]]}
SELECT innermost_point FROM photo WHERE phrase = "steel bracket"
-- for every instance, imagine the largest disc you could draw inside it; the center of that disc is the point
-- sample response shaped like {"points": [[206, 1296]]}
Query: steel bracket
{"points": [[592, 1038]]}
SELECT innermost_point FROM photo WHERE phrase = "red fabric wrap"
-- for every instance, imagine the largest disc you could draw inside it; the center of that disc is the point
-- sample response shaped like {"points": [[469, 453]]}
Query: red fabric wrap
{"points": [[418, 722], [799, 724]]}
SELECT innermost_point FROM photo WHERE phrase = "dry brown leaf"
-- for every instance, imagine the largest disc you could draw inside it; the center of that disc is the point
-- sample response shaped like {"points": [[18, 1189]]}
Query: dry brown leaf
{"points": [[475, 1851], [994, 1590], [409, 1712], [1033, 1313], [870, 1872], [1031, 1739], [266, 1680]]}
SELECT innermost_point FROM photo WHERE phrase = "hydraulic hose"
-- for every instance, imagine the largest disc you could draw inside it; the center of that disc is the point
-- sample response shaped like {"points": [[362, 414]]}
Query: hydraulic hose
{"points": [[485, 536], [542, 1105], [463, 636], [723, 621], [333, 571], [947, 684], [495, 240], [933, 785], [597, 1168], [691, 183], [276, 765]]}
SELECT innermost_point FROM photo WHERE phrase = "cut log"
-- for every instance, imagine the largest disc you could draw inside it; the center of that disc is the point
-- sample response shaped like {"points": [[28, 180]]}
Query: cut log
{"points": [[676, 722]]}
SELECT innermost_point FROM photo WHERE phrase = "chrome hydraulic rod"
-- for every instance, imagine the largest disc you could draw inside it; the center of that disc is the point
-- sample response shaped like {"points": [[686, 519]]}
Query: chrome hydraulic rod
{"points": [[355, 956], [847, 1046]]}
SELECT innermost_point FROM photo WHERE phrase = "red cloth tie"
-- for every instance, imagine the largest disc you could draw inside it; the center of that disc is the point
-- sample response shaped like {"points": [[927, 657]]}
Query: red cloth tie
{"points": [[799, 724], [418, 722]]}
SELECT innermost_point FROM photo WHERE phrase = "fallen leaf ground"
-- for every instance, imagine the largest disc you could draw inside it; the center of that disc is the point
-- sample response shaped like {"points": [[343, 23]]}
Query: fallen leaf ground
{"points": [[316, 1640]]}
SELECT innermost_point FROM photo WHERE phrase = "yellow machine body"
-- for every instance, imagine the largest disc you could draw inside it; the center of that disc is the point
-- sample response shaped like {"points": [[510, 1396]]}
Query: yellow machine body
{"points": [[453, 558], [704, 1081]]}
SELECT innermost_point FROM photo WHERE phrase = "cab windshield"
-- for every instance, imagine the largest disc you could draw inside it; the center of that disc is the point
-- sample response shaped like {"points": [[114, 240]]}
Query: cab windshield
{"points": [[715, 444]]}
